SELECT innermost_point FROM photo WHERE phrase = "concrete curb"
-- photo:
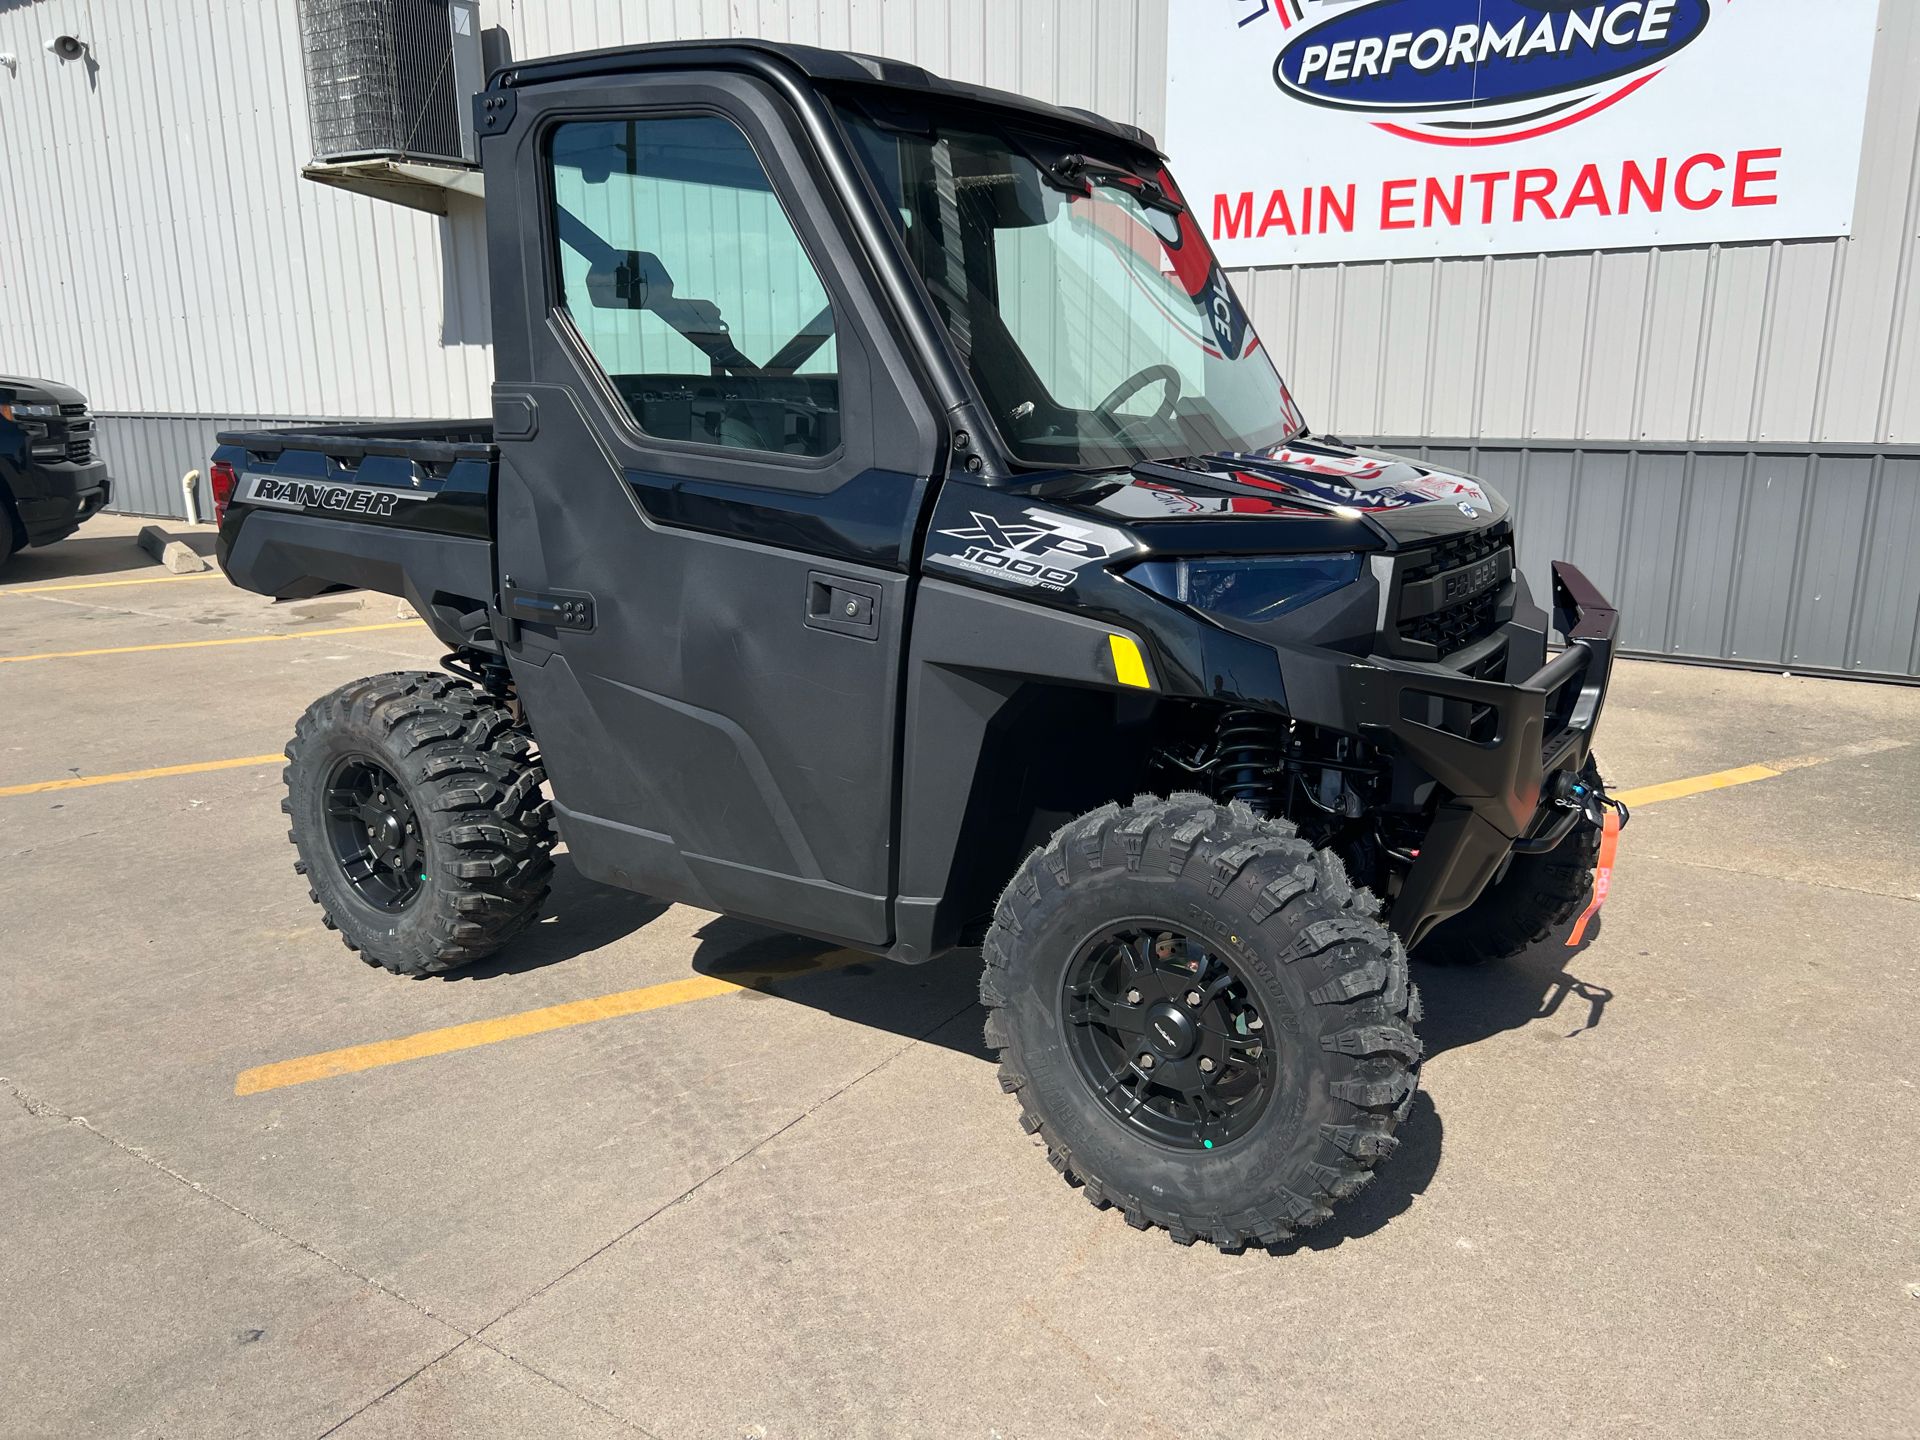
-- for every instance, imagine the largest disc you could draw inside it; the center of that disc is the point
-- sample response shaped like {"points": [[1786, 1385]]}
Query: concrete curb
{"points": [[177, 557]]}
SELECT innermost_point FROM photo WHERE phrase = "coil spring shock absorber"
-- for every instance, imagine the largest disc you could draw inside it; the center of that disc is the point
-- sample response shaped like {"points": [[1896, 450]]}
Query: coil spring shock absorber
{"points": [[1249, 744]]}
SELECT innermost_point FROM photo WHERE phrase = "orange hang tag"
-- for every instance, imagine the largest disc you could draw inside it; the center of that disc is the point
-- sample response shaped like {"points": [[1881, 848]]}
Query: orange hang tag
{"points": [[1602, 873]]}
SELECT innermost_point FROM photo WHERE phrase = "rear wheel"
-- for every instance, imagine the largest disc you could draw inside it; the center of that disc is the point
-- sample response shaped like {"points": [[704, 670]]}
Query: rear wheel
{"points": [[1535, 897], [1202, 1019], [418, 815]]}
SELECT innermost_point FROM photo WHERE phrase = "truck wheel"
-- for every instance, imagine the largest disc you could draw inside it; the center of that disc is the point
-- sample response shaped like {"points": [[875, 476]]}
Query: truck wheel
{"points": [[417, 812], [1536, 896], [9, 531], [1202, 1018]]}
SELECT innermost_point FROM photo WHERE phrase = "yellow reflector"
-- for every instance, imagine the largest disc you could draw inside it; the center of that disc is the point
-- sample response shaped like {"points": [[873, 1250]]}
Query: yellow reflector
{"points": [[1128, 664]]}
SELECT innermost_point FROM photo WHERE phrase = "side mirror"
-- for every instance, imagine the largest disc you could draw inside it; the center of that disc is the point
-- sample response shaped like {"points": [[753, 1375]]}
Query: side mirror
{"points": [[618, 281]]}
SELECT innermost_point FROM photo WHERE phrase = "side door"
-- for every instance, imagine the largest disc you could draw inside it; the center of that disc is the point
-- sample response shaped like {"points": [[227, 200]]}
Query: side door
{"points": [[714, 451]]}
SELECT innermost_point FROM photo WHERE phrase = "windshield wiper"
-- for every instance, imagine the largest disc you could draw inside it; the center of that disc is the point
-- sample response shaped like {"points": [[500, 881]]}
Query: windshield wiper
{"points": [[1078, 174]]}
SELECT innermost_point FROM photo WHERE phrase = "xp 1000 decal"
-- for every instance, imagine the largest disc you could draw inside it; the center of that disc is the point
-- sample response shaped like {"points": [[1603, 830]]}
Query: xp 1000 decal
{"points": [[1041, 551], [1329, 130]]}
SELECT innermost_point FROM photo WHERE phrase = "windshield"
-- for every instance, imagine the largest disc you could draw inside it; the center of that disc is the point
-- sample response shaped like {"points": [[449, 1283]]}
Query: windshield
{"points": [[1082, 296]]}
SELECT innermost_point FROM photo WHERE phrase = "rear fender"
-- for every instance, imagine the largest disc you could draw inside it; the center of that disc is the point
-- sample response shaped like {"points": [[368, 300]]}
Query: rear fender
{"points": [[447, 578]]}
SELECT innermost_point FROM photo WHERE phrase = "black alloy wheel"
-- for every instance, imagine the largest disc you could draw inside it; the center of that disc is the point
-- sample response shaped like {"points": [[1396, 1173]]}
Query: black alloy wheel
{"points": [[417, 807], [1166, 1035], [1202, 1019], [373, 833]]}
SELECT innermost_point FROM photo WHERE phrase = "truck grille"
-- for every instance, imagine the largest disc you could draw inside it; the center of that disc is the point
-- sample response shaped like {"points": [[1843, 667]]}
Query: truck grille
{"points": [[72, 410], [1451, 626], [80, 449]]}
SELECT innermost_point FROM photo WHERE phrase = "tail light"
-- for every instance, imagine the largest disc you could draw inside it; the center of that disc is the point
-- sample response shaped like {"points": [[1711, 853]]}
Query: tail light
{"points": [[224, 483]]}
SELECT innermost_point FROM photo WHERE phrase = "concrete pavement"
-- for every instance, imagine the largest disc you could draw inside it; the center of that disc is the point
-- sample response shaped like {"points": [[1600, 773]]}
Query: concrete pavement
{"points": [[1668, 1183]]}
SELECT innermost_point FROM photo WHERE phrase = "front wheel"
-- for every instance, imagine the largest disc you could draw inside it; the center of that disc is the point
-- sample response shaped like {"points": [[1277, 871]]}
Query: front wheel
{"points": [[1202, 1018], [417, 811]]}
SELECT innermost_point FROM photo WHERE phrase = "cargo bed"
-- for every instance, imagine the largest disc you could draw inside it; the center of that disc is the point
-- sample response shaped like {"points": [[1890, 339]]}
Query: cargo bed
{"points": [[404, 507]]}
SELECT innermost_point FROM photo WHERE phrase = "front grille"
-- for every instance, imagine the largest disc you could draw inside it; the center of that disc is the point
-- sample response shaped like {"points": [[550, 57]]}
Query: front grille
{"points": [[1457, 627], [1461, 550], [1452, 628], [80, 450], [72, 410]]}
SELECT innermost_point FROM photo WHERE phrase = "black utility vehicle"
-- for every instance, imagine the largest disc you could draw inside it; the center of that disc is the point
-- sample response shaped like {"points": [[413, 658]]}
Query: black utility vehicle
{"points": [[49, 478], [890, 528]]}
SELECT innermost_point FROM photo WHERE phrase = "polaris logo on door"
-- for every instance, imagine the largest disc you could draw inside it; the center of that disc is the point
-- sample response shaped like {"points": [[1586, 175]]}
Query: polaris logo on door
{"points": [[1318, 131], [376, 500], [1457, 63]]}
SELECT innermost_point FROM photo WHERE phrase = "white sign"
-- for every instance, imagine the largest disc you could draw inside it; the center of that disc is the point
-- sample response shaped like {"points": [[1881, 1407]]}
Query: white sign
{"points": [[1303, 131]]}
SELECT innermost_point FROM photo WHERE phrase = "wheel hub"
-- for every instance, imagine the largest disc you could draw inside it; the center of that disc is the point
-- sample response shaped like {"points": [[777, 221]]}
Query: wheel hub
{"points": [[1166, 1033], [373, 833], [1170, 1032]]}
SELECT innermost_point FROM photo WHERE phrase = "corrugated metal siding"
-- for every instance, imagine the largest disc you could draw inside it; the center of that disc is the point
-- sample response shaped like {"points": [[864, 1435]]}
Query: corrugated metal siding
{"points": [[1786, 557], [149, 455], [163, 254], [188, 269]]}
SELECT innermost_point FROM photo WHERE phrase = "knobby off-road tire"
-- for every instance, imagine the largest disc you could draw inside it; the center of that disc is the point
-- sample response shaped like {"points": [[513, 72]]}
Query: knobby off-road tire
{"points": [[1316, 975], [1536, 896], [439, 788]]}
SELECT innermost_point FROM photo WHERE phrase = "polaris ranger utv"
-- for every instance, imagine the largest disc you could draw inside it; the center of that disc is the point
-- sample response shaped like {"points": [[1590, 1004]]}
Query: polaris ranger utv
{"points": [[890, 528]]}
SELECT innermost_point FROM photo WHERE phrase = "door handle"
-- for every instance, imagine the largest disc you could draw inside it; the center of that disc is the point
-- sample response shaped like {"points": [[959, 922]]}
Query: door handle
{"points": [[843, 606]]}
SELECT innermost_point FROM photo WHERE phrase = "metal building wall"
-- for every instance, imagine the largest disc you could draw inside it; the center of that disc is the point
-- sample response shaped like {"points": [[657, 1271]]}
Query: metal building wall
{"points": [[189, 271], [1796, 557], [162, 253]]}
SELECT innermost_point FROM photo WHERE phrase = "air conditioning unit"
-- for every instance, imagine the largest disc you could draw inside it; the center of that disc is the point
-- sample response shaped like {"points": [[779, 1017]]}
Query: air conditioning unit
{"points": [[392, 80]]}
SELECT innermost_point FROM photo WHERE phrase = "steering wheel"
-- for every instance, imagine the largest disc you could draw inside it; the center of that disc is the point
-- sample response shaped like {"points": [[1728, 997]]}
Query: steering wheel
{"points": [[1164, 375]]}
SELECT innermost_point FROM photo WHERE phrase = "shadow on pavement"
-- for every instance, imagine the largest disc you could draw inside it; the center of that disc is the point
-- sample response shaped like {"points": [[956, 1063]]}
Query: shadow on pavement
{"points": [[1399, 1179], [919, 1002], [1464, 1004], [1469, 1003], [937, 1003], [579, 917], [81, 556]]}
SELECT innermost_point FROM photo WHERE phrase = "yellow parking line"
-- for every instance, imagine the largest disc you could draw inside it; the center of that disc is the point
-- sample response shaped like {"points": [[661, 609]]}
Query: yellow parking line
{"points": [[81, 782], [201, 644], [109, 584], [476, 1033], [1698, 784]]}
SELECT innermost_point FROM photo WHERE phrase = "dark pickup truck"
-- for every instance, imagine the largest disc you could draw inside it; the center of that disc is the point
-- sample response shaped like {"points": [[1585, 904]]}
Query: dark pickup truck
{"points": [[49, 478], [891, 528]]}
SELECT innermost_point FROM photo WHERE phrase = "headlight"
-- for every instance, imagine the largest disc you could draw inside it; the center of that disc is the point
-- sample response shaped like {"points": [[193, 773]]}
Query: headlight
{"points": [[1247, 588], [18, 411]]}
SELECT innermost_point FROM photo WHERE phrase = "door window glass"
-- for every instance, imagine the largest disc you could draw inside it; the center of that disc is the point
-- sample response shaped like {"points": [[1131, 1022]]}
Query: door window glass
{"points": [[683, 275]]}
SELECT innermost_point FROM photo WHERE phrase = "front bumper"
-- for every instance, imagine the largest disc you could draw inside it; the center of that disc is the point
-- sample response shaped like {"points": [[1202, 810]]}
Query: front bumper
{"points": [[1494, 747], [55, 497]]}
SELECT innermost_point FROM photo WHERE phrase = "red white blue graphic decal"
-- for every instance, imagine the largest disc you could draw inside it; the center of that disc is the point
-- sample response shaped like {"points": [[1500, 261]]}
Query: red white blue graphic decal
{"points": [[1493, 71]]}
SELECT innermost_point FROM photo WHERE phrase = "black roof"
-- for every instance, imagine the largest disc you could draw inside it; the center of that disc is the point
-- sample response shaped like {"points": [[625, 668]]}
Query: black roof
{"points": [[830, 66]]}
